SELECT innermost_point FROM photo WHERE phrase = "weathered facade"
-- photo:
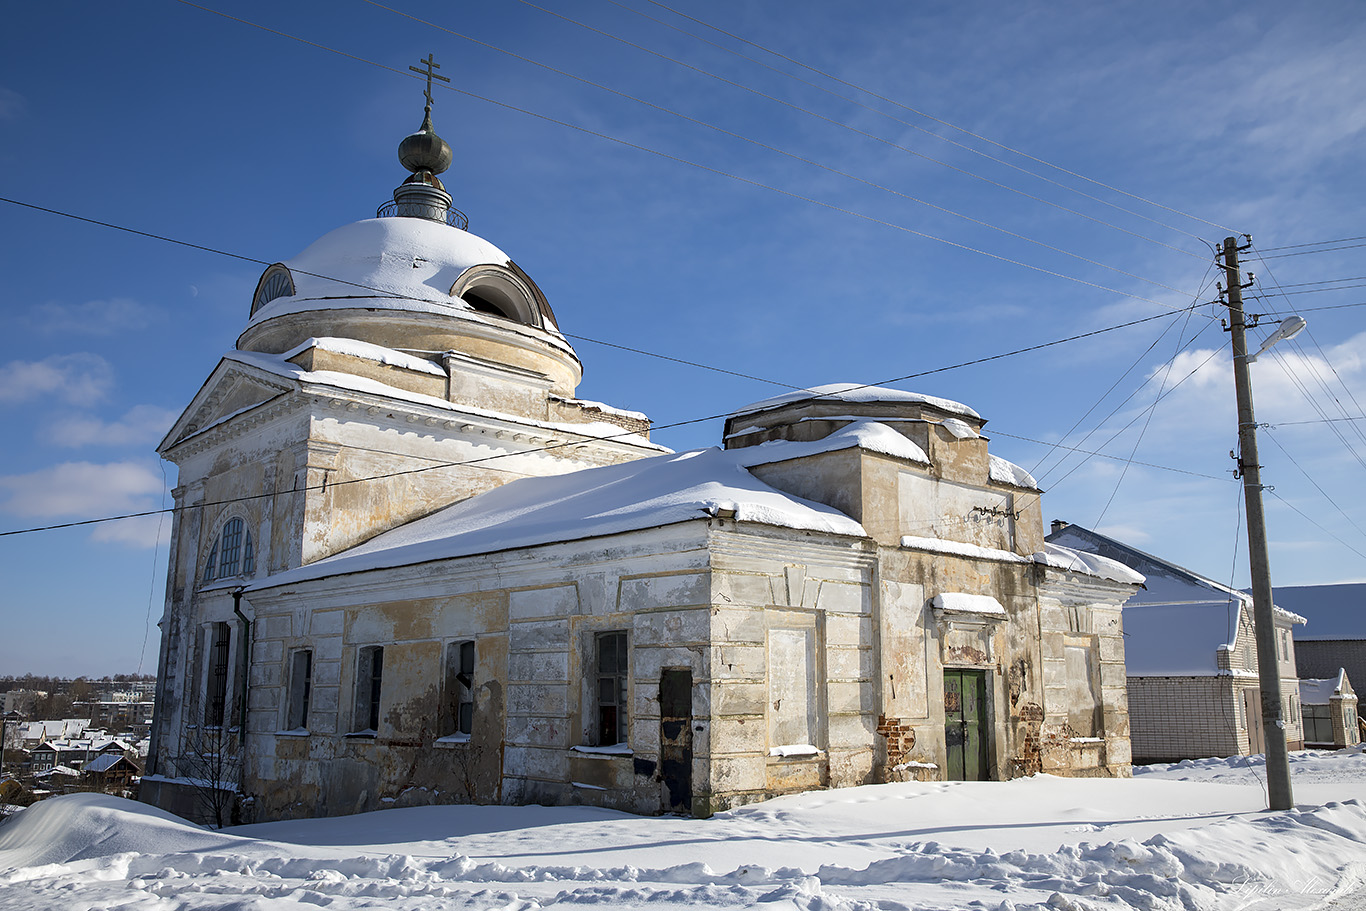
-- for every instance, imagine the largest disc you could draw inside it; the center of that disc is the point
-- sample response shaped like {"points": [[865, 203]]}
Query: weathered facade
{"points": [[410, 567], [1191, 649]]}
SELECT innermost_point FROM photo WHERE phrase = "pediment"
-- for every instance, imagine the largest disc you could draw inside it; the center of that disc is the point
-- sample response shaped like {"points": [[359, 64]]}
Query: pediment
{"points": [[231, 390]]}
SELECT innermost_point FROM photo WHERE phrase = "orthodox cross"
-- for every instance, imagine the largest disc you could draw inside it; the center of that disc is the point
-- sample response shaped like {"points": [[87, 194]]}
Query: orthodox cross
{"points": [[430, 76]]}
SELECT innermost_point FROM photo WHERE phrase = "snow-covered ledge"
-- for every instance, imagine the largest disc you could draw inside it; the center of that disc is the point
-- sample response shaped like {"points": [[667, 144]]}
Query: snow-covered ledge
{"points": [[796, 751], [984, 606], [616, 749]]}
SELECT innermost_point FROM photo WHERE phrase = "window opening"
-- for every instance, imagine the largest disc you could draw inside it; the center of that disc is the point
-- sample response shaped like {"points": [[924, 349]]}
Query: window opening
{"points": [[611, 701], [301, 689], [231, 552], [248, 557], [482, 304], [218, 675], [459, 689], [369, 679]]}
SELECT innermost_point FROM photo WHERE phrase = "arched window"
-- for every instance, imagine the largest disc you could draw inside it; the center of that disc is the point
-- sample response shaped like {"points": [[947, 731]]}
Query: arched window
{"points": [[276, 281], [232, 553]]}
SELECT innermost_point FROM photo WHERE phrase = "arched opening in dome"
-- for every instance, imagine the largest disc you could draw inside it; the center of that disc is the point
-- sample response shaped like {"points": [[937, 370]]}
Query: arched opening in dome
{"points": [[498, 291], [483, 304]]}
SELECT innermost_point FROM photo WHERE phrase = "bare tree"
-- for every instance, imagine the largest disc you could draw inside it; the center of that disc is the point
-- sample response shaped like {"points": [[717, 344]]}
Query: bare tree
{"points": [[210, 763]]}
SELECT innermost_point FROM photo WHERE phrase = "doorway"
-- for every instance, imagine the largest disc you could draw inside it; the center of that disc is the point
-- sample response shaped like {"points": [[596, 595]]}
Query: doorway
{"points": [[965, 724], [675, 737]]}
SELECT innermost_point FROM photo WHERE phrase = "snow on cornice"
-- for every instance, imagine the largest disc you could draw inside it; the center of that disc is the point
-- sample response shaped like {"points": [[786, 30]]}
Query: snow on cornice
{"points": [[367, 351], [1077, 561], [872, 436], [854, 392], [277, 365], [1052, 556], [1005, 472], [964, 603]]}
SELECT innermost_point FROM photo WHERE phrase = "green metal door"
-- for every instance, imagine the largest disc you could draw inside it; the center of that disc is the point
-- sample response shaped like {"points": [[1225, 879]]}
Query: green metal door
{"points": [[965, 724]]}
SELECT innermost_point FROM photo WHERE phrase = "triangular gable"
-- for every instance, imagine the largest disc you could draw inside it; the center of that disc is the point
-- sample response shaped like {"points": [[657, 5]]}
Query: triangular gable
{"points": [[232, 388]]}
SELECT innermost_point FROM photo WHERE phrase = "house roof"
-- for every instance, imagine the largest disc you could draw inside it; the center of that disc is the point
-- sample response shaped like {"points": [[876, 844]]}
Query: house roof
{"points": [[105, 761], [1320, 692], [1177, 623], [1333, 611], [635, 495]]}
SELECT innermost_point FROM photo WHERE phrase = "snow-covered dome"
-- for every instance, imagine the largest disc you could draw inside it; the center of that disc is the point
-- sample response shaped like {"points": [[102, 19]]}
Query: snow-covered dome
{"points": [[413, 280]]}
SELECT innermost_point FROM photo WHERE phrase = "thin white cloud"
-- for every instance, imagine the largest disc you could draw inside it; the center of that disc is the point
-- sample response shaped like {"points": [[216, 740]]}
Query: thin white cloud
{"points": [[82, 490], [141, 425], [96, 317], [12, 104], [75, 378], [144, 532]]}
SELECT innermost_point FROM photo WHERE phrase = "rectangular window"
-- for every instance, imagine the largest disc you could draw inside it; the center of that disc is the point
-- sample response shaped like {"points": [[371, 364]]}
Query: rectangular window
{"points": [[300, 689], [458, 716], [611, 692], [369, 677], [217, 702], [1318, 724]]}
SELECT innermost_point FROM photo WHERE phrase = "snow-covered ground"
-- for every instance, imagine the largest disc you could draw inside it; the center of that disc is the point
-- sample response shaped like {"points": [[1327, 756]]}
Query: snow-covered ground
{"points": [[1188, 836]]}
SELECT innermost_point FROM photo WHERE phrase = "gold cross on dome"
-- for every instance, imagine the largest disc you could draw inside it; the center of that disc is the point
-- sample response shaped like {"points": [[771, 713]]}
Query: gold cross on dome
{"points": [[431, 64]]}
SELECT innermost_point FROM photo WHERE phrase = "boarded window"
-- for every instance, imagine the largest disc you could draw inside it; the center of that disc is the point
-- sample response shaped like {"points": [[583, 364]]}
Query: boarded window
{"points": [[1084, 709], [300, 689], [792, 703], [369, 679], [611, 689]]}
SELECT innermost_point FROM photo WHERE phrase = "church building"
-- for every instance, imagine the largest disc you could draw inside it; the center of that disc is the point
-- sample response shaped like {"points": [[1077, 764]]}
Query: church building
{"points": [[409, 566]]}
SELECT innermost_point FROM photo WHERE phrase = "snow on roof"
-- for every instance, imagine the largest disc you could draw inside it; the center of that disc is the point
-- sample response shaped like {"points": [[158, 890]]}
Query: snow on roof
{"points": [[1004, 472], [964, 603], [1177, 640], [868, 435], [855, 392], [397, 263], [601, 406], [645, 493], [1320, 692], [279, 366], [103, 762], [1060, 557], [1336, 611], [369, 352]]}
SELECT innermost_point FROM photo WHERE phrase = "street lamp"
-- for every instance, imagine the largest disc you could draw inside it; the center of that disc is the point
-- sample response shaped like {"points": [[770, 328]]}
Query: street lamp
{"points": [[1279, 795]]}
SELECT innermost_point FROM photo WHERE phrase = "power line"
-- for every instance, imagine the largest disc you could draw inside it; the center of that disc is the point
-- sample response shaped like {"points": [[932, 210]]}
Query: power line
{"points": [[894, 119], [1312, 522], [554, 446], [1311, 252], [947, 124], [785, 153], [1106, 455], [1314, 243]]}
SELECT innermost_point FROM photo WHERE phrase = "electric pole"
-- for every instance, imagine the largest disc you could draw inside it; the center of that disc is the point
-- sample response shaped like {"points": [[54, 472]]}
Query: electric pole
{"points": [[1263, 610]]}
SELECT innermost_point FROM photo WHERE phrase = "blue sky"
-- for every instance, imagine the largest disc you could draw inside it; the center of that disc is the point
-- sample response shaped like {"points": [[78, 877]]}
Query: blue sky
{"points": [[798, 230]]}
